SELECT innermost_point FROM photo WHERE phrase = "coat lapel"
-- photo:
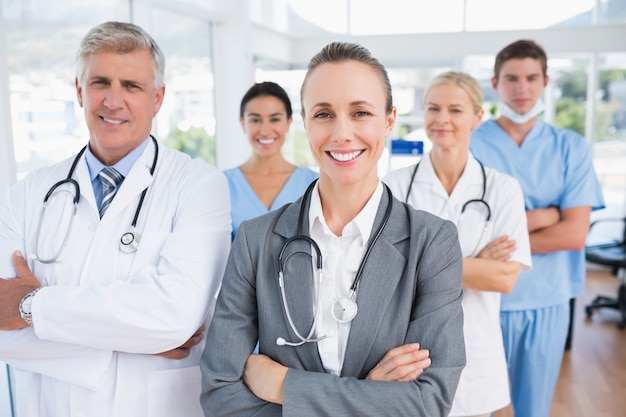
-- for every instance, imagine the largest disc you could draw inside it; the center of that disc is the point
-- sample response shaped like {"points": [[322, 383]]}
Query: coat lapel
{"points": [[84, 181]]}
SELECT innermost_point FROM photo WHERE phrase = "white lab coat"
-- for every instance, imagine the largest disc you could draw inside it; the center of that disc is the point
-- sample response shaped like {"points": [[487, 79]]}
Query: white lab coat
{"points": [[484, 385], [101, 313]]}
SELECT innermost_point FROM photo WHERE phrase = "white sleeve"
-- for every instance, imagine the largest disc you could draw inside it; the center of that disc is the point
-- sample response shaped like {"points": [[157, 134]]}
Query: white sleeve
{"points": [[510, 217], [22, 348]]}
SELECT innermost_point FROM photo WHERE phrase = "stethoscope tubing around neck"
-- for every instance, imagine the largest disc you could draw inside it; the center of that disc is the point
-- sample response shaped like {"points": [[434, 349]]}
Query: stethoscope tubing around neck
{"points": [[145, 190], [76, 200], [300, 236], [480, 200], [306, 201]]}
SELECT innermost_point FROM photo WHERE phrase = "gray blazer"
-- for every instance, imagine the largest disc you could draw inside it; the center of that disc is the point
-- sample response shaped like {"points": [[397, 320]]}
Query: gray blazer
{"points": [[410, 291]]}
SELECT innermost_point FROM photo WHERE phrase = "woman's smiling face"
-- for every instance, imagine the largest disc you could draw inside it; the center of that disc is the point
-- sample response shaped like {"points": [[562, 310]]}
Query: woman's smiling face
{"points": [[266, 123], [450, 116], [345, 120]]}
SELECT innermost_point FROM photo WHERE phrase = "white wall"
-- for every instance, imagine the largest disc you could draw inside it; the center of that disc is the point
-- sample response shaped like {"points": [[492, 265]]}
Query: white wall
{"points": [[234, 74], [7, 160]]}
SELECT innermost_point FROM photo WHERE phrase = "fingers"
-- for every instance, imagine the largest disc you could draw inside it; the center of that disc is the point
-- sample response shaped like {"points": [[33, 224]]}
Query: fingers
{"points": [[22, 270], [200, 330], [176, 354], [404, 363], [499, 249], [184, 350], [265, 378], [193, 341], [503, 251]]}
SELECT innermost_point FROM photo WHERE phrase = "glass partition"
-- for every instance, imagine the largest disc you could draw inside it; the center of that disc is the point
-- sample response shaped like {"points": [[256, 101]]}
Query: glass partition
{"points": [[492, 15], [48, 125], [186, 120], [42, 38], [296, 147], [609, 141], [375, 17]]}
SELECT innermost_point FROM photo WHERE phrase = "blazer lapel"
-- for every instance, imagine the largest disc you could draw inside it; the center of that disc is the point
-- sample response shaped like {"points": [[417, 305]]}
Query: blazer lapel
{"points": [[298, 284], [382, 272]]}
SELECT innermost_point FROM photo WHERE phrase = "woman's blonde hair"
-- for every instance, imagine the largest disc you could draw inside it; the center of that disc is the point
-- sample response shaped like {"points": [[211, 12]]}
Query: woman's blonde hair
{"points": [[463, 80]]}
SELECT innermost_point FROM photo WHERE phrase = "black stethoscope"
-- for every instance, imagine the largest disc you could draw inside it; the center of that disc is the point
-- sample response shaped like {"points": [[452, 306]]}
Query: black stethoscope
{"points": [[129, 240], [480, 200], [344, 308]]}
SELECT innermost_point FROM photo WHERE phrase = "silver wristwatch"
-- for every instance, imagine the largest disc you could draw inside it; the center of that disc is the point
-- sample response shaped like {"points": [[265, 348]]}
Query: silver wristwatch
{"points": [[26, 310]]}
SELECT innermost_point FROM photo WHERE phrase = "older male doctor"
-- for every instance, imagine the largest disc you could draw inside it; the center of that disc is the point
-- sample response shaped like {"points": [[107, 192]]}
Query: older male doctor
{"points": [[102, 293]]}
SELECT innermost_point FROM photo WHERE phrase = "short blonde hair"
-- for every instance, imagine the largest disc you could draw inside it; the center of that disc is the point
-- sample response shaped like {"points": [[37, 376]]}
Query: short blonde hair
{"points": [[463, 80]]}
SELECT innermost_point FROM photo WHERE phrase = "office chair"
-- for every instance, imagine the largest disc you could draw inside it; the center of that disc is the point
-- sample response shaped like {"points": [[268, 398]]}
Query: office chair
{"points": [[613, 255]]}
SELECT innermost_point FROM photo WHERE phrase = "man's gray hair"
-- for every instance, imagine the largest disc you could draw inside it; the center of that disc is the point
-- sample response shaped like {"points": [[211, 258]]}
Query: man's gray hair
{"points": [[121, 38]]}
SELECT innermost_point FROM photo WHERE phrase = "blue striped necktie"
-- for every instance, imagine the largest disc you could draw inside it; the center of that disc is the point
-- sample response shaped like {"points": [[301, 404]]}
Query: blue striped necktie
{"points": [[110, 179]]}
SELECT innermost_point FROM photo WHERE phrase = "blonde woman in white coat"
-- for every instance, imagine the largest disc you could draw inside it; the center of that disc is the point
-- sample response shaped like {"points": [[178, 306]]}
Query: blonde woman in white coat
{"points": [[488, 209]]}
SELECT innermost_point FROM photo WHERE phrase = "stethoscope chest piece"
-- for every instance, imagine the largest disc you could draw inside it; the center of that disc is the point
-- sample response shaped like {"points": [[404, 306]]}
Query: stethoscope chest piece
{"points": [[344, 309], [129, 242]]}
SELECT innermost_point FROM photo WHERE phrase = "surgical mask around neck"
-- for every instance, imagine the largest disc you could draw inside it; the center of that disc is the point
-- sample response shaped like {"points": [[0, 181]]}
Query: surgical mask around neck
{"points": [[517, 118]]}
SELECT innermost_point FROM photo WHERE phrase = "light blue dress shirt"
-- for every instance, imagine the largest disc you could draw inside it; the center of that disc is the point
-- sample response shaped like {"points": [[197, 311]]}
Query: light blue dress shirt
{"points": [[123, 166]]}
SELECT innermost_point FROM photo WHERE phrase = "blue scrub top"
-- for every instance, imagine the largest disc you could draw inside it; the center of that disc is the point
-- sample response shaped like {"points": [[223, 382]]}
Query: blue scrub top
{"points": [[554, 168], [246, 205]]}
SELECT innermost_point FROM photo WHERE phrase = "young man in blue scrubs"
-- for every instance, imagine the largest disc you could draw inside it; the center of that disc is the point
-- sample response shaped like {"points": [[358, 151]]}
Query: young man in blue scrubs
{"points": [[561, 189]]}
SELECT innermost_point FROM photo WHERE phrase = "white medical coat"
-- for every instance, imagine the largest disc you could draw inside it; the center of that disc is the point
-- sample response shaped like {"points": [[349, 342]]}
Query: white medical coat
{"points": [[484, 385], [102, 314]]}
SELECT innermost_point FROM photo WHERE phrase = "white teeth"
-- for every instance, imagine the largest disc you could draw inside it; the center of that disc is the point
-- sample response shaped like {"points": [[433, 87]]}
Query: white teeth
{"points": [[115, 122], [343, 157], [266, 141]]}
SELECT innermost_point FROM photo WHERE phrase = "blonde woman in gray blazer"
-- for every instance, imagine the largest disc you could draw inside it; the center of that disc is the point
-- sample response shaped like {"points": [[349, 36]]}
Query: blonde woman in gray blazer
{"points": [[353, 296]]}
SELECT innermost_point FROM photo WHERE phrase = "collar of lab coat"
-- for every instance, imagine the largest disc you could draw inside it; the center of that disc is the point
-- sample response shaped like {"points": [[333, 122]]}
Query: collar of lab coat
{"points": [[138, 179]]}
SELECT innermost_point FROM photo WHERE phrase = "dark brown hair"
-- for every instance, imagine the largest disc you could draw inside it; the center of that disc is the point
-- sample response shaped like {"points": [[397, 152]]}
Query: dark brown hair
{"points": [[521, 49], [266, 89]]}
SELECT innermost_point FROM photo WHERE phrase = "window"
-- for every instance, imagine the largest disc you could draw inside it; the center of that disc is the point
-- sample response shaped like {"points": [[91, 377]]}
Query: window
{"points": [[375, 17], [42, 38], [186, 120], [296, 147], [609, 141]]}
